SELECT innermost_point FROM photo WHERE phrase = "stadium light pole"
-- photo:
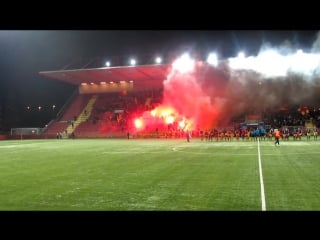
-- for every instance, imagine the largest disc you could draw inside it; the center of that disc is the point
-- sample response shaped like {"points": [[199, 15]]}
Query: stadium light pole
{"points": [[158, 60], [53, 108], [212, 59], [133, 62]]}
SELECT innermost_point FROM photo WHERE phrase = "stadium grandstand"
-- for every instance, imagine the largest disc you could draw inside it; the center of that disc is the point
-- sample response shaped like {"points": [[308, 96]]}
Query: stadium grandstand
{"points": [[107, 100], [112, 101], [104, 98]]}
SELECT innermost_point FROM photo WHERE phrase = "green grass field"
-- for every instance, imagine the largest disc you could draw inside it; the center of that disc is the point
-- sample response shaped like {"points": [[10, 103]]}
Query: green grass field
{"points": [[158, 174]]}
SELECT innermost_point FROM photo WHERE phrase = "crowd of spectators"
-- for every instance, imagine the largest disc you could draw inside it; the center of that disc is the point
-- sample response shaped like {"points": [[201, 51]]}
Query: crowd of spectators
{"points": [[112, 112]]}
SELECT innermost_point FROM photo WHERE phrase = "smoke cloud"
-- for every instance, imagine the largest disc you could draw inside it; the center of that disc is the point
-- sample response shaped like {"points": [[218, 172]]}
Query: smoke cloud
{"points": [[276, 77]]}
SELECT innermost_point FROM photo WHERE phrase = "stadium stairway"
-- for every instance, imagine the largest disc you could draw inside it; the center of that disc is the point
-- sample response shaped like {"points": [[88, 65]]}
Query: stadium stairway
{"points": [[84, 115]]}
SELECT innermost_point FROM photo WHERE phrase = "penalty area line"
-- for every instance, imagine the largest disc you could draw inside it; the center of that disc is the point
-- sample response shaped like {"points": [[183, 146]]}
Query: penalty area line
{"points": [[263, 198]]}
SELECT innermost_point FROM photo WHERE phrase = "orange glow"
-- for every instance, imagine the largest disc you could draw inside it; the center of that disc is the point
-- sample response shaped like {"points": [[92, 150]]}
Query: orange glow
{"points": [[182, 124], [138, 123], [169, 120], [161, 116], [163, 111]]}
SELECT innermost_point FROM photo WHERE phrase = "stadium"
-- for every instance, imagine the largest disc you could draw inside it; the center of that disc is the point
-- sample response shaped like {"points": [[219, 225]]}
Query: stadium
{"points": [[194, 133]]}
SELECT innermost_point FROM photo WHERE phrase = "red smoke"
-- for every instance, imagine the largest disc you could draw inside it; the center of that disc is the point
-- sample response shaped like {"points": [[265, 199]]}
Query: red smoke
{"points": [[183, 91], [188, 103], [200, 96]]}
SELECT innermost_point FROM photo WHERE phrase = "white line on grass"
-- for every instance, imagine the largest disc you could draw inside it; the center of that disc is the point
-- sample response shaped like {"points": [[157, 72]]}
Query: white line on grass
{"points": [[128, 152], [263, 198]]}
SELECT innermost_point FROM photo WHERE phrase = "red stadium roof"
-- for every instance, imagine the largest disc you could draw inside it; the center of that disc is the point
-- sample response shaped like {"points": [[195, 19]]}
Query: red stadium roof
{"points": [[151, 75]]}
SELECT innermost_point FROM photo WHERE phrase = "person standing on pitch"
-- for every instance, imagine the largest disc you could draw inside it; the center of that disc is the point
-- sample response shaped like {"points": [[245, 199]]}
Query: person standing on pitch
{"points": [[277, 135], [188, 136]]}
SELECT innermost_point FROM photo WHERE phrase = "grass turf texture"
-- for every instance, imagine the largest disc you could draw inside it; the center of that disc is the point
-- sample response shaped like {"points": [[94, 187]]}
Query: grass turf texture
{"points": [[156, 174]]}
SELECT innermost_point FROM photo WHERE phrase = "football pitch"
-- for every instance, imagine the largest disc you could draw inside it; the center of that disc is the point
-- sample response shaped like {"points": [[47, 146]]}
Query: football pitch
{"points": [[159, 174]]}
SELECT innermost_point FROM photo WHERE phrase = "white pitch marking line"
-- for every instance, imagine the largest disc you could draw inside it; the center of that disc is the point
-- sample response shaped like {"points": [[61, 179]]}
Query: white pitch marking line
{"points": [[263, 198]]}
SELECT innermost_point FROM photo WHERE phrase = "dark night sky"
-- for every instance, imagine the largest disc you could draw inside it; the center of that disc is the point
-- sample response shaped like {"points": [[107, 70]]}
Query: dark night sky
{"points": [[24, 54]]}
